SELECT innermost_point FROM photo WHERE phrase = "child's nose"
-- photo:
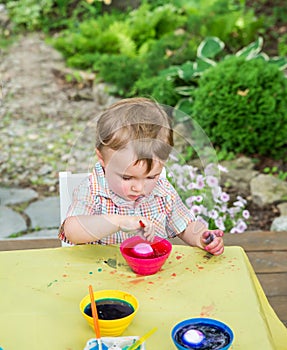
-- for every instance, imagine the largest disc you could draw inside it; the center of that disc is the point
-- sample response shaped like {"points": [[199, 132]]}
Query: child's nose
{"points": [[138, 186]]}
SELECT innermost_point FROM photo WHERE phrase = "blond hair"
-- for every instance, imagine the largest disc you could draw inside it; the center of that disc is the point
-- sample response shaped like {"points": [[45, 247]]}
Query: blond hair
{"points": [[136, 119]]}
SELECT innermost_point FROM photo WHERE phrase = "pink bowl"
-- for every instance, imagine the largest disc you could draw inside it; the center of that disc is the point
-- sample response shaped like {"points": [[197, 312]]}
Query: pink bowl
{"points": [[146, 265]]}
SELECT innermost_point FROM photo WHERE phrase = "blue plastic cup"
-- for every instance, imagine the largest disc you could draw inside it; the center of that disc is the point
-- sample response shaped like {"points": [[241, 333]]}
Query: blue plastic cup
{"points": [[182, 342]]}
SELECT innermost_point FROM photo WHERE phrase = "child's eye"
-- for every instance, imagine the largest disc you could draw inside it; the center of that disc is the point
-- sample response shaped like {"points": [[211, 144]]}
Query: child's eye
{"points": [[126, 178], [151, 177]]}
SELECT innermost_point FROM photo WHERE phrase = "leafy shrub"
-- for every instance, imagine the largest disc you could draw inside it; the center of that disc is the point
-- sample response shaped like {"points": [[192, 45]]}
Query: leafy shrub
{"points": [[172, 48], [146, 24], [242, 106], [50, 14], [125, 71], [156, 35], [282, 45], [158, 87], [29, 12]]}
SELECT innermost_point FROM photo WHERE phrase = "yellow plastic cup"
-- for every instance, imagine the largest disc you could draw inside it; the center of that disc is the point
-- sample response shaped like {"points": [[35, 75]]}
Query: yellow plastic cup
{"points": [[115, 327]]}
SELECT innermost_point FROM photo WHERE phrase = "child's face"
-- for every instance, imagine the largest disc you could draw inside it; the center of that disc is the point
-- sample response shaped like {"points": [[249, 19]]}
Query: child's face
{"points": [[127, 179]]}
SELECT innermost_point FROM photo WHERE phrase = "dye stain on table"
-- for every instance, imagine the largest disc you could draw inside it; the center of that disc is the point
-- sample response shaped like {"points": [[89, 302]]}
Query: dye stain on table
{"points": [[110, 309]]}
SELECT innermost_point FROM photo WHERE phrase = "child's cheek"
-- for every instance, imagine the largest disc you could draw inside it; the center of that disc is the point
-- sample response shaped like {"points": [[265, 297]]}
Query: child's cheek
{"points": [[119, 187], [125, 188]]}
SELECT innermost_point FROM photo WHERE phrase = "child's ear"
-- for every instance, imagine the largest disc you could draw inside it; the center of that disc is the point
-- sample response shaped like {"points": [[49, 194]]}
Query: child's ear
{"points": [[100, 157]]}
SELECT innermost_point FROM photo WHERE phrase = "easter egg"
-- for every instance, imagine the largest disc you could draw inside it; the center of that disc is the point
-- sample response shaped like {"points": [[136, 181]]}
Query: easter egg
{"points": [[143, 250], [192, 337]]}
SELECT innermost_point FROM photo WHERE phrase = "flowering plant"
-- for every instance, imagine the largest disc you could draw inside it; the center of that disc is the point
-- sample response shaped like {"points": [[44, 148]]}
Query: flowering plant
{"points": [[205, 198]]}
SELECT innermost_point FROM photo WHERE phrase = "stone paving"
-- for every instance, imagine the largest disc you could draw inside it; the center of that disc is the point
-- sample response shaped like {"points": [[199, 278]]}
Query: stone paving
{"points": [[24, 215]]}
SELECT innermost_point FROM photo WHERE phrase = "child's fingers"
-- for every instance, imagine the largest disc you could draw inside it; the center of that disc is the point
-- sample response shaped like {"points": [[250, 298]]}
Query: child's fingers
{"points": [[218, 233], [149, 234], [213, 233], [216, 247], [219, 251]]}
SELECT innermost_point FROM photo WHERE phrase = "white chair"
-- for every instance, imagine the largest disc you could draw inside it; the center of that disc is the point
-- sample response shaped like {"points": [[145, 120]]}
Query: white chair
{"points": [[68, 182]]}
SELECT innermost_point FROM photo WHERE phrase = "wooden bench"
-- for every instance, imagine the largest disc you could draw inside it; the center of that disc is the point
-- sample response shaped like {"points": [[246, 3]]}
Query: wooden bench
{"points": [[267, 252], [20, 244]]}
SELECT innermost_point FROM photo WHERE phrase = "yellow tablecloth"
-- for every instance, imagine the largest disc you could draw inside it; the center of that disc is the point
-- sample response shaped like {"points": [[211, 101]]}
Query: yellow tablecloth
{"points": [[41, 291]]}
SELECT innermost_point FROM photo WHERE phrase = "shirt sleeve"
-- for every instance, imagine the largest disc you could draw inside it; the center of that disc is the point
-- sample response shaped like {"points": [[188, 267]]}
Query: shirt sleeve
{"points": [[82, 203], [178, 215]]}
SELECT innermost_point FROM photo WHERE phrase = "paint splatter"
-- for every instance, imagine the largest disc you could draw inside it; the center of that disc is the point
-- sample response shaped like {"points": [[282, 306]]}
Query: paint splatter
{"points": [[100, 269], [91, 272], [49, 285], [64, 275], [199, 267], [173, 274], [207, 310], [137, 281], [111, 263]]}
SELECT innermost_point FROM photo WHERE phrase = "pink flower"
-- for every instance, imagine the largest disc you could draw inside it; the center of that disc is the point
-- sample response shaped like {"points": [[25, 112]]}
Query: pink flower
{"points": [[220, 224], [240, 227], [199, 182], [224, 197], [191, 186], [239, 204], [198, 198], [189, 201], [216, 193], [213, 214], [195, 209], [212, 181], [222, 168], [246, 214]]}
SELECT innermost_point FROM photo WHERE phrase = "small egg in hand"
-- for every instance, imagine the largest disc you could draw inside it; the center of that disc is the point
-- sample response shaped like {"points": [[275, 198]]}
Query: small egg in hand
{"points": [[143, 250]]}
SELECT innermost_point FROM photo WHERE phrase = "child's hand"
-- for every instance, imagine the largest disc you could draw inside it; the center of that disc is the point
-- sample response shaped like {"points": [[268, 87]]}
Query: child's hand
{"points": [[213, 242], [147, 229], [132, 224]]}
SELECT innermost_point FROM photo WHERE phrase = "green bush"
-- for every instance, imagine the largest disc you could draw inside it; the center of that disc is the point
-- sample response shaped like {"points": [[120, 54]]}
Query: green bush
{"points": [[119, 70], [157, 87], [282, 45], [50, 15], [231, 21], [150, 37], [242, 106]]}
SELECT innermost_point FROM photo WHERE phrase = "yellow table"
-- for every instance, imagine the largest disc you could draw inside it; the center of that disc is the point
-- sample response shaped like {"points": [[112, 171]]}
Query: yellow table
{"points": [[41, 290]]}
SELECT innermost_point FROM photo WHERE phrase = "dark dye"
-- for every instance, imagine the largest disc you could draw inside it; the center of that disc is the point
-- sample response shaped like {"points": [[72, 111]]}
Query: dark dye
{"points": [[215, 337], [110, 309], [158, 250]]}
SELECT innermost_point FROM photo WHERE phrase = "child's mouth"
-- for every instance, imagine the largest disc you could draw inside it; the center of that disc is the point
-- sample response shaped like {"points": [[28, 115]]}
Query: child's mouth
{"points": [[134, 198]]}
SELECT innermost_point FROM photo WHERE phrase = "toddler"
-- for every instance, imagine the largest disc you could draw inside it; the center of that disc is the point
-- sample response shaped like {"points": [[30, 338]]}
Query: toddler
{"points": [[126, 192]]}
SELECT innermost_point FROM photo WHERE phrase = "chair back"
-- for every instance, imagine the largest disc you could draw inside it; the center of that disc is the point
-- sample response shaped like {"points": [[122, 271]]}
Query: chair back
{"points": [[68, 182]]}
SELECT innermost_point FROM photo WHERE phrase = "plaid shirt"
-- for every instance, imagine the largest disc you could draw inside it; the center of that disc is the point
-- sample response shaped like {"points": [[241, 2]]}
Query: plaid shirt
{"points": [[163, 206]]}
